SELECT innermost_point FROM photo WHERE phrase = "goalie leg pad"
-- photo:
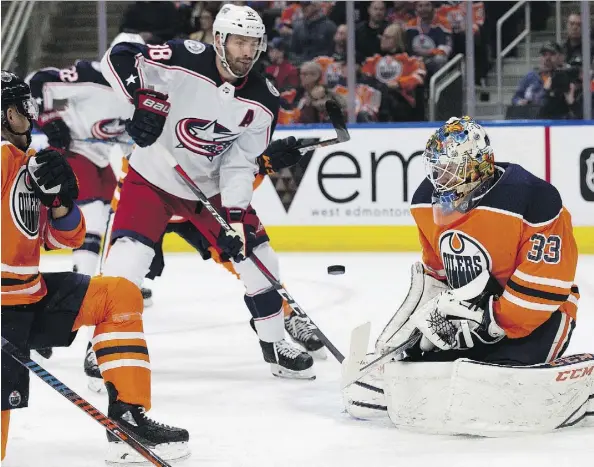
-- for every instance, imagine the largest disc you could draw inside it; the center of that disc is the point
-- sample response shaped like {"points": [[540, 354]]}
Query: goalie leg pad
{"points": [[365, 399], [469, 397]]}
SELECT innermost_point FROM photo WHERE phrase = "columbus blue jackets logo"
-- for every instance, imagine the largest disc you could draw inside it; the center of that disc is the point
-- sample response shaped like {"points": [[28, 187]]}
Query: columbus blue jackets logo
{"points": [[463, 257], [108, 128], [204, 137]]}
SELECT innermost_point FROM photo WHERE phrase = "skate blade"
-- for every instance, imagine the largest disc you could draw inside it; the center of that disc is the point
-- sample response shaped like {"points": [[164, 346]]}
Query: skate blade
{"points": [[120, 454], [282, 372], [96, 385], [319, 354]]}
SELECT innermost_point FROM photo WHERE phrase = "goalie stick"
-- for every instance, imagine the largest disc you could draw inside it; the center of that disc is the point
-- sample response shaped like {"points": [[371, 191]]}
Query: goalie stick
{"points": [[82, 404]]}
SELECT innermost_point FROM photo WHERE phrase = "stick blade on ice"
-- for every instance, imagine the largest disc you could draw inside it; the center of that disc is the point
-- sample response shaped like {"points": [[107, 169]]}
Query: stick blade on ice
{"points": [[357, 351]]}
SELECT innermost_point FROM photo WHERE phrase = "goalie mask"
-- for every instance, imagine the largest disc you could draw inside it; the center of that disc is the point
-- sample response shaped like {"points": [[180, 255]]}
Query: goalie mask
{"points": [[460, 164], [240, 21], [15, 92]]}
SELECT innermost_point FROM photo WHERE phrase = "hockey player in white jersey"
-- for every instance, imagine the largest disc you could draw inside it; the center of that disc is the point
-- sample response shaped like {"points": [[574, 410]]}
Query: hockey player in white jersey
{"points": [[205, 106], [83, 118]]}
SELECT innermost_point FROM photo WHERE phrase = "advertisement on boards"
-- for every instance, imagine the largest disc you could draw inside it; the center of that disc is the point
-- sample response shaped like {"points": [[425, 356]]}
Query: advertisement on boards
{"points": [[370, 180]]}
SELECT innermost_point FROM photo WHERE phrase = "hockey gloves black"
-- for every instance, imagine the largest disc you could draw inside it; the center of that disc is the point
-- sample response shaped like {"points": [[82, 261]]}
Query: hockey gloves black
{"points": [[233, 242], [56, 130], [149, 117], [279, 155], [52, 179]]}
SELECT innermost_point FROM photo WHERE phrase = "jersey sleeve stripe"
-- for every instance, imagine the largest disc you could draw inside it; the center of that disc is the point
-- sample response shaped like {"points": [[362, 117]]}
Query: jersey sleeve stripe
{"points": [[536, 292], [528, 305], [542, 280], [28, 270], [55, 243]]}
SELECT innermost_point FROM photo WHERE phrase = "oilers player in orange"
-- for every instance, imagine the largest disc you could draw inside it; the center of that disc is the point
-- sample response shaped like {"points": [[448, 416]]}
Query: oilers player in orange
{"points": [[46, 310], [496, 281]]}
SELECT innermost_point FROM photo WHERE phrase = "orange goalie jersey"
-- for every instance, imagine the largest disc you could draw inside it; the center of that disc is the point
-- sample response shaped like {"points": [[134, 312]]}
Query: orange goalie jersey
{"points": [[522, 234], [26, 226]]}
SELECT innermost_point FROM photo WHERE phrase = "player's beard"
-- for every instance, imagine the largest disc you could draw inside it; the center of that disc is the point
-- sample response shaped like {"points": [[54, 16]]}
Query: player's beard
{"points": [[240, 66]]}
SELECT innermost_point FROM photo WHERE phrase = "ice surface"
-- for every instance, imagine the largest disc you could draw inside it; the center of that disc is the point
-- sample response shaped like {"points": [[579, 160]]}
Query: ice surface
{"points": [[209, 377]]}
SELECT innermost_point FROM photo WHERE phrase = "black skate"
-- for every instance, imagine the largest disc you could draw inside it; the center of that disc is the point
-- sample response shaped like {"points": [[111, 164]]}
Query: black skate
{"points": [[168, 442], [302, 333], [147, 297], [45, 352], [95, 380], [287, 361]]}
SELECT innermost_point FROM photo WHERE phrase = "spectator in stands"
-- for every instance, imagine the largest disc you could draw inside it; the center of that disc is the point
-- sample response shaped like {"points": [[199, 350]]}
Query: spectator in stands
{"points": [[367, 34], [398, 75], [455, 14], [334, 67], [312, 36], [292, 100], [157, 22], [401, 12], [205, 34], [313, 109], [531, 89], [284, 73], [428, 36], [563, 98], [573, 44]]}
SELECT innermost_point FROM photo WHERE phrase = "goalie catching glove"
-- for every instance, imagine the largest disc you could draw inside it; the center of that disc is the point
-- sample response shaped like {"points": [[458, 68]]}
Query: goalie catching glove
{"points": [[458, 319]]}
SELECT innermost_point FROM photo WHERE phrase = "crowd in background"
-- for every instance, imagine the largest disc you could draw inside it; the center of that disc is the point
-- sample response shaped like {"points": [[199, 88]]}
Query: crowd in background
{"points": [[399, 46]]}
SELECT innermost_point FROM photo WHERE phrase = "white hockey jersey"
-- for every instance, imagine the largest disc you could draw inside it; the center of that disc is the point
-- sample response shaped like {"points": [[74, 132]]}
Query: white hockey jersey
{"points": [[86, 103], [215, 130]]}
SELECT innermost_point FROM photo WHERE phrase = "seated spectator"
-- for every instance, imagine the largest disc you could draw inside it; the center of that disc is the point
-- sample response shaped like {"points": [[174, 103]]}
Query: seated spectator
{"points": [[531, 89], [292, 100], [157, 21], [283, 72], [563, 99], [401, 13], [367, 34], [397, 75], [205, 34], [312, 36], [573, 44], [313, 108], [368, 101], [334, 67], [428, 36], [455, 14]]}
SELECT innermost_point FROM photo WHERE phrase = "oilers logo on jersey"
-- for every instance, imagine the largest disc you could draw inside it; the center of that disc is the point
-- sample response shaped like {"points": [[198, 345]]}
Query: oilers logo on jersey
{"points": [[204, 137], [24, 205], [463, 256], [108, 128]]}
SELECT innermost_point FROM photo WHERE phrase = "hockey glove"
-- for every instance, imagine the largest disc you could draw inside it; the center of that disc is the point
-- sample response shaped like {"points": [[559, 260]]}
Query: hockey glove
{"points": [[458, 319], [279, 155], [149, 117], [232, 243], [56, 130], [52, 179]]}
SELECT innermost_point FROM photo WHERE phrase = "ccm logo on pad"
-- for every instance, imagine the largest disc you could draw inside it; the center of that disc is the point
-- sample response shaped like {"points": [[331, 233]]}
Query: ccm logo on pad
{"points": [[574, 374]]}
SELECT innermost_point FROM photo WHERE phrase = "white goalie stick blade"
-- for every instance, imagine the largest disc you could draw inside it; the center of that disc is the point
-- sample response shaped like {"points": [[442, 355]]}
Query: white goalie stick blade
{"points": [[354, 370], [357, 351]]}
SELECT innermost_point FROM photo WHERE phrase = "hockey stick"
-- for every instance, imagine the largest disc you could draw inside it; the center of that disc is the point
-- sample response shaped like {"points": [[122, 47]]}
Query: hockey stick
{"points": [[106, 239], [353, 370], [261, 267], [337, 119], [104, 141], [82, 404]]}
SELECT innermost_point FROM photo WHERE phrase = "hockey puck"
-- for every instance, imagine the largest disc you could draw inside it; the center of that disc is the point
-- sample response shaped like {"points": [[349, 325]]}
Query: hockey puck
{"points": [[336, 269]]}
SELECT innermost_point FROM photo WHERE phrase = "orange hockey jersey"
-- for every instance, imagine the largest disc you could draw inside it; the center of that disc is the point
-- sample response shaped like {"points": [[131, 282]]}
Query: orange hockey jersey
{"points": [[456, 15], [401, 69], [521, 233], [26, 226]]}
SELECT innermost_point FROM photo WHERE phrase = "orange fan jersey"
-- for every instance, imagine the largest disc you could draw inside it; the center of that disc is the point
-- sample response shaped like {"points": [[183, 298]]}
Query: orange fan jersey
{"points": [[522, 234], [367, 99], [333, 72], [406, 71], [456, 15], [25, 228]]}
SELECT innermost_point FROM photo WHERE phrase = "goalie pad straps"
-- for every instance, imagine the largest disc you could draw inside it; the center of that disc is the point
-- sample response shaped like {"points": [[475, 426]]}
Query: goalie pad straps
{"points": [[422, 289]]}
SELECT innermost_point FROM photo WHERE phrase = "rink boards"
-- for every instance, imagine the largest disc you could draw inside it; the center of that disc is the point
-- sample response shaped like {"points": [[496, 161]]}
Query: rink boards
{"points": [[356, 196]]}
